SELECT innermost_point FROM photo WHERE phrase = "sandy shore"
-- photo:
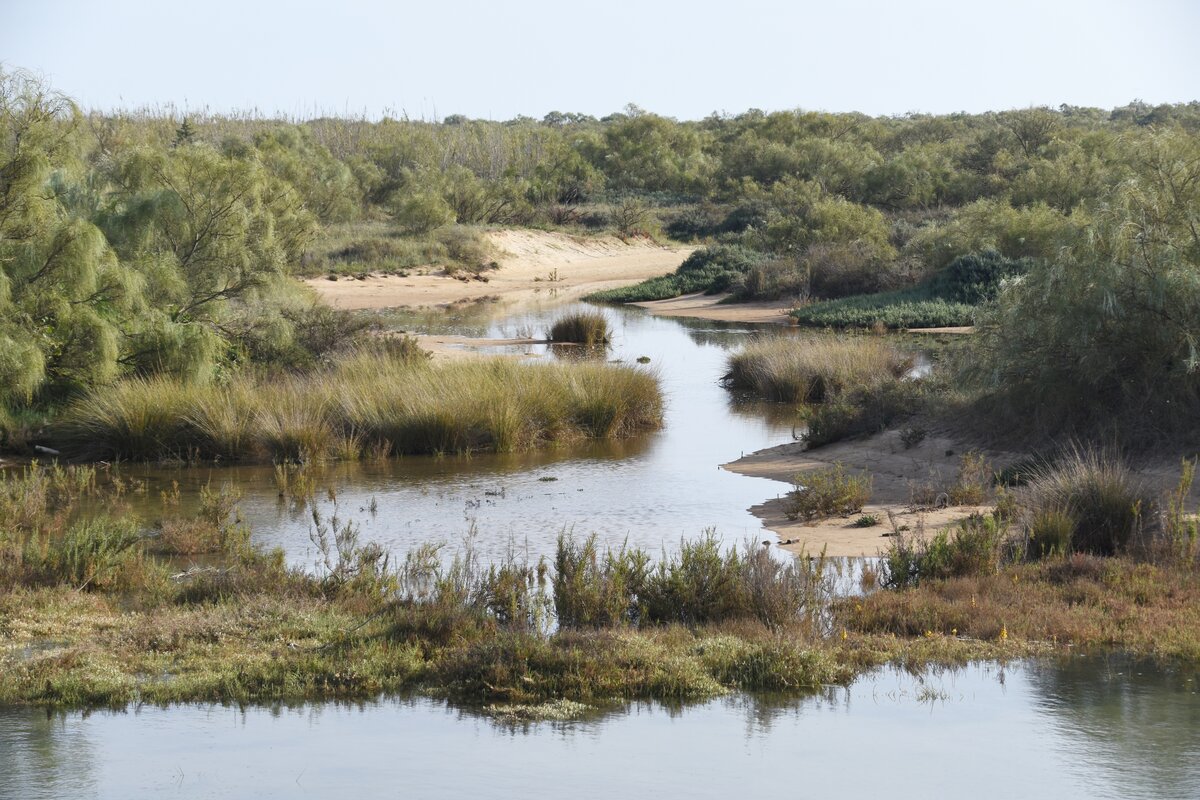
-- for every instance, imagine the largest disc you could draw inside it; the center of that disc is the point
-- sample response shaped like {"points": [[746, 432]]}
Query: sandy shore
{"points": [[705, 306], [894, 471], [534, 266]]}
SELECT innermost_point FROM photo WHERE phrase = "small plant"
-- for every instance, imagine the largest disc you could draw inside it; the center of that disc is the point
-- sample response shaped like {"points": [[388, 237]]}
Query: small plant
{"points": [[974, 481], [866, 521], [589, 328], [827, 492]]}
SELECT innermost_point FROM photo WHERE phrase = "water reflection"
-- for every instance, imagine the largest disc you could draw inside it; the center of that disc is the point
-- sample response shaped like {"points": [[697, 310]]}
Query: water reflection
{"points": [[1083, 728]]}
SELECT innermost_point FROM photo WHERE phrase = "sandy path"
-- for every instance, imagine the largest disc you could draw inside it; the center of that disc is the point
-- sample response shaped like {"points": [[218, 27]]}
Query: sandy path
{"points": [[894, 471], [706, 306], [534, 266]]}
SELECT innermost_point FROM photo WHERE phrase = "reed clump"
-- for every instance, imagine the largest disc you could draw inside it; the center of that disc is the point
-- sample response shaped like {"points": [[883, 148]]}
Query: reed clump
{"points": [[370, 403], [815, 369], [584, 327]]}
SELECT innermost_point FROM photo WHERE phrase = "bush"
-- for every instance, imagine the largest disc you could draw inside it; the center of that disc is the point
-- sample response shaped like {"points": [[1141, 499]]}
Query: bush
{"points": [[710, 270], [826, 493], [975, 279], [589, 328], [971, 548]]}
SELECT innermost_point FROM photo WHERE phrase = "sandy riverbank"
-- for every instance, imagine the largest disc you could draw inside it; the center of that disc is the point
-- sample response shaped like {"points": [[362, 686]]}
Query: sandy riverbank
{"points": [[894, 471], [709, 306], [534, 266]]}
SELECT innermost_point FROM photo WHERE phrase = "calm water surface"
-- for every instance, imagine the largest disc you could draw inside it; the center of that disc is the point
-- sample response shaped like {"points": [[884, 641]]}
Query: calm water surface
{"points": [[1085, 729]]}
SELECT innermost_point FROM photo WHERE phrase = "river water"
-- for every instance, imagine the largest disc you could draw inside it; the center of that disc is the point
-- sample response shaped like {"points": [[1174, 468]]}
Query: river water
{"points": [[1085, 728]]}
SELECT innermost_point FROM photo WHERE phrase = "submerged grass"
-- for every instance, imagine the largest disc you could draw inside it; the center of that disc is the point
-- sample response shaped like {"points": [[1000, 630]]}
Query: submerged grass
{"points": [[369, 403]]}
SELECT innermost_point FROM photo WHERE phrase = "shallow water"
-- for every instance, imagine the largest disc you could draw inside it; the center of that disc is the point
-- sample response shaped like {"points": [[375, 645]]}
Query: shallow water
{"points": [[1089, 728], [650, 491]]}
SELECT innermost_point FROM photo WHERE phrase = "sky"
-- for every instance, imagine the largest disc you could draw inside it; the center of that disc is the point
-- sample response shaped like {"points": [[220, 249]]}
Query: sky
{"points": [[501, 59]]}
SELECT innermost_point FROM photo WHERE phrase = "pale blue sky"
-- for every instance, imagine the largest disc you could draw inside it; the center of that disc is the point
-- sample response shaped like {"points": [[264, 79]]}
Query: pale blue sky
{"points": [[500, 59]]}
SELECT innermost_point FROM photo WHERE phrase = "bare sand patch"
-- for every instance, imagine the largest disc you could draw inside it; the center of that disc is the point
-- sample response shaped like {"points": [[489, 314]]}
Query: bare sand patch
{"points": [[534, 266], [895, 471], [709, 306]]}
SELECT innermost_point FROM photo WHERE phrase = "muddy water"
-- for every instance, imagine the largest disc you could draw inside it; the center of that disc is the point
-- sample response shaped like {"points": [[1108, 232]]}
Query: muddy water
{"points": [[1089, 728], [650, 491]]}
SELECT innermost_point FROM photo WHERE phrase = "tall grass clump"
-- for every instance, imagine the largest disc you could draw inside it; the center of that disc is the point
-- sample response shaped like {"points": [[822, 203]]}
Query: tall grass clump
{"points": [[370, 402], [815, 369], [584, 327], [1091, 493]]}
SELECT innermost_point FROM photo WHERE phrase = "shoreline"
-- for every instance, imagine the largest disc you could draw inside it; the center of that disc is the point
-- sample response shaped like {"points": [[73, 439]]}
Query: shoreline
{"points": [[895, 472]]}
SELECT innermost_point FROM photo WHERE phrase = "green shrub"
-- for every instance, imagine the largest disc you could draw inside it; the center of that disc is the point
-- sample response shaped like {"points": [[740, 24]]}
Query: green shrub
{"points": [[826, 493], [971, 548], [710, 270], [976, 278]]}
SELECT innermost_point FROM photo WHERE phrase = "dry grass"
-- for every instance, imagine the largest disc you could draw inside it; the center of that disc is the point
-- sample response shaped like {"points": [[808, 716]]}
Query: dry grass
{"points": [[371, 403], [815, 369]]}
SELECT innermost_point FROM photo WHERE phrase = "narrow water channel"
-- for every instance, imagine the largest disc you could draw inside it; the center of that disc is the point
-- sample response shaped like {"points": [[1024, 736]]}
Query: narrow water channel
{"points": [[1086, 728]]}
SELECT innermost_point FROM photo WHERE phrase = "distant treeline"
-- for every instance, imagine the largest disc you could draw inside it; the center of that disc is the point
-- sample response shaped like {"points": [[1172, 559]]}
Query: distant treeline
{"points": [[149, 242]]}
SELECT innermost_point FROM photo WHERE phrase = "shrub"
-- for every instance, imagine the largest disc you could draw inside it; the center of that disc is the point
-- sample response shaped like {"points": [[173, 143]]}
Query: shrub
{"points": [[976, 278], [971, 548], [826, 493], [588, 328], [709, 270], [593, 590]]}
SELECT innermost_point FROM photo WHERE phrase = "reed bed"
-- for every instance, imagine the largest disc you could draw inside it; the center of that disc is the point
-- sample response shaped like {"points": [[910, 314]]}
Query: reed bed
{"points": [[815, 369], [368, 403]]}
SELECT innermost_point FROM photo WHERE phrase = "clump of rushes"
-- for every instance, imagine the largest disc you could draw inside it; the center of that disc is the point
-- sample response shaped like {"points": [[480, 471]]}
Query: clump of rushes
{"points": [[826, 493], [369, 403], [1088, 498], [585, 327], [815, 369]]}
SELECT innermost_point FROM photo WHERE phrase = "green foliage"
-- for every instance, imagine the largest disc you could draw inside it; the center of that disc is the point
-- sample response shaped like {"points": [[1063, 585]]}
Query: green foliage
{"points": [[827, 493], [905, 308], [975, 279], [971, 548], [709, 270], [1105, 336]]}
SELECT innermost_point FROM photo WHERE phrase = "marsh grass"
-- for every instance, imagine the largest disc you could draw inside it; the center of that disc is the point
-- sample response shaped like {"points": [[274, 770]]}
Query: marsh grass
{"points": [[367, 404], [584, 327], [1108, 507], [815, 369]]}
